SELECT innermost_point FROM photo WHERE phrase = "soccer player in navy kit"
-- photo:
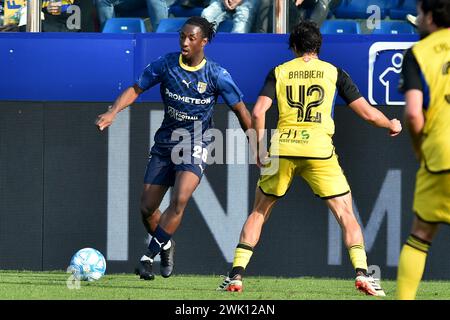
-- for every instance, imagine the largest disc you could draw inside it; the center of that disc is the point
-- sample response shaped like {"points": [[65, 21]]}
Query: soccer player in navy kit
{"points": [[190, 85]]}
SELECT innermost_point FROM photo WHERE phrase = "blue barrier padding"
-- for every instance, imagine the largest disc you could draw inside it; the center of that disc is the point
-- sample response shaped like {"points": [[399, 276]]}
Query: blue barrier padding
{"points": [[97, 67]]}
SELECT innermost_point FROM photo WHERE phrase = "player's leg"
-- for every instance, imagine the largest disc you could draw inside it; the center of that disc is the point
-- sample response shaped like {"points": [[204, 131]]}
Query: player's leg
{"points": [[270, 188], [185, 184], [432, 206], [327, 180], [151, 198], [159, 176], [248, 239], [342, 209], [413, 257], [251, 231]]}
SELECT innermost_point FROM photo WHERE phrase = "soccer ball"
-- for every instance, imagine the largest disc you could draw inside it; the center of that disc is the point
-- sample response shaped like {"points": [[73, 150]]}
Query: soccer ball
{"points": [[87, 264]]}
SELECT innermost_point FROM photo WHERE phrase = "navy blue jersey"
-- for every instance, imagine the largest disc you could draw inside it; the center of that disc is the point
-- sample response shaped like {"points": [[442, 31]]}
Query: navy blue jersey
{"points": [[189, 95]]}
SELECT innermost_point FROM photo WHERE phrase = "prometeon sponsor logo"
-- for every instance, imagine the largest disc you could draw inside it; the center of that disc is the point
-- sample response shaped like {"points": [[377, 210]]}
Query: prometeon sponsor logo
{"points": [[190, 100]]}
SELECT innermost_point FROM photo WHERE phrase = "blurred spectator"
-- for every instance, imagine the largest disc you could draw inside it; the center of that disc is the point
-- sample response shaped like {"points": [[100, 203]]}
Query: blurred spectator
{"points": [[10, 12], [56, 16], [157, 9], [242, 12], [314, 10], [264, 20], [193, 3], [1, 12]]}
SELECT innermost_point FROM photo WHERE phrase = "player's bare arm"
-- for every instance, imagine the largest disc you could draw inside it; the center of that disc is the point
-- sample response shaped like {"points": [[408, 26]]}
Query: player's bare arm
{"points": [[375, 117], [123, 101], [243, 115], [258, 124], [414, 118]]}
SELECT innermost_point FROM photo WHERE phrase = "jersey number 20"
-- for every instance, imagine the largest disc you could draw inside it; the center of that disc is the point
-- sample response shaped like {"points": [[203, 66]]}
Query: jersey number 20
{"points": [[200, 152]]}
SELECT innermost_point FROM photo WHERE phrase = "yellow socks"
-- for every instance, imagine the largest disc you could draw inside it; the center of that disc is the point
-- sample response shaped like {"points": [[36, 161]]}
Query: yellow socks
{"points": [[410, 267], [242, 256], [358, 257]]}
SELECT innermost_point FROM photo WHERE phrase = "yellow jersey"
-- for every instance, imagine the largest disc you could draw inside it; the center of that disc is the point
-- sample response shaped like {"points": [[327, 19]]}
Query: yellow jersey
{"points": [[305, 89], [427, 68]]}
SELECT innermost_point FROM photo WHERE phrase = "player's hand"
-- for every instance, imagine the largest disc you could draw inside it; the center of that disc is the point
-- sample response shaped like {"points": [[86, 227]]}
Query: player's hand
{"points": [[298, 2], [262, 159], [395, 128], [105, 120]]}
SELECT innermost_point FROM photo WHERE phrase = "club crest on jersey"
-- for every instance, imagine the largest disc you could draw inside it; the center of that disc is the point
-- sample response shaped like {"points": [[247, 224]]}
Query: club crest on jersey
{"points": [[201, 87]]}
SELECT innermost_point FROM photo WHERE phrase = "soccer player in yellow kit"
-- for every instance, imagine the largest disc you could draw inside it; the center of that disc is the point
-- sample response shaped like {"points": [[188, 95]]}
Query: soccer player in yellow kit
{"points": [[305, 88], [425, 82]]}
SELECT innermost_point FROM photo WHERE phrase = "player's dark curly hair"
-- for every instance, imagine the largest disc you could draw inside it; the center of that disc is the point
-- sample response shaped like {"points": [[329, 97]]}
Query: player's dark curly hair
{"points": [[208, 28], [440, 9], [305, 37]]}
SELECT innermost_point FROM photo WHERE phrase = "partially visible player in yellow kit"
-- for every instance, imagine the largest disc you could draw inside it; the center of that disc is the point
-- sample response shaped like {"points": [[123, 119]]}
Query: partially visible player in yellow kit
{"points": [[305, 88], [426, 84]]}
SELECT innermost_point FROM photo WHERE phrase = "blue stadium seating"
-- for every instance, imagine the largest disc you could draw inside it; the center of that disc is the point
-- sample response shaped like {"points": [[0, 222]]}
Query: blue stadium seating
{"points": [[175, 24], [182, 11], [340, 27], [171, 24], [394, 27], [403, 8], [124, 25]]}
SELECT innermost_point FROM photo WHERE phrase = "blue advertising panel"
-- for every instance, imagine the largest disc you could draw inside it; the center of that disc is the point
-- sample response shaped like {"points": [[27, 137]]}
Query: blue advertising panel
{"points": [[64, 67], [97, 67]]}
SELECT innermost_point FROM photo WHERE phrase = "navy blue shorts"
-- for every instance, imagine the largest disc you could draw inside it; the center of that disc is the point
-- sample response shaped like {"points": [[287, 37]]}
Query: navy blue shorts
{"points": [[161, 170]]}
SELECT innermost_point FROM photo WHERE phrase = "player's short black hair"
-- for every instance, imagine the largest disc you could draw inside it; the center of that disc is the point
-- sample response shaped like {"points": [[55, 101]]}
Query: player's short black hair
{"points": [[208, 28], [305, 37], [440, 10]]}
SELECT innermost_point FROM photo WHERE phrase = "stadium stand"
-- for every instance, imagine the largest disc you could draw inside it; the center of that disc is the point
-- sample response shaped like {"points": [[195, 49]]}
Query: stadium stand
{"points": [[341, 18], [357, 9], [394, 27], [183, 11], [171, 24], [175, 24], [340, 27], [403, 8], [124, 25]]}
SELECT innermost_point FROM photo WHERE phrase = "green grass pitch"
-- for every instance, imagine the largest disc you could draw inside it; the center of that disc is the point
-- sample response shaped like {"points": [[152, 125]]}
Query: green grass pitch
{"points": [[53, 285]]}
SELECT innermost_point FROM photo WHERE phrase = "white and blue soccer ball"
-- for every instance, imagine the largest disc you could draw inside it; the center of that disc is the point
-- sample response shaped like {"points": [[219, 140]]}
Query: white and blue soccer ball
{"points": [[87, 264]]}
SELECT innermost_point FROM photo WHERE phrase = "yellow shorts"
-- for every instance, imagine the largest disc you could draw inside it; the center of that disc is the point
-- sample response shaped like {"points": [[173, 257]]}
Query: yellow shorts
{"points": [[432, 196], [325, 177]]}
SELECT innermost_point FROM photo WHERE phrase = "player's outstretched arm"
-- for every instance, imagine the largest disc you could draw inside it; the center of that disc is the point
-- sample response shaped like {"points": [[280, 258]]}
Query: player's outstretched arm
{"points": [[375, 117], [258, 125], [414, 118], [243, 115], [124, 100]]}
